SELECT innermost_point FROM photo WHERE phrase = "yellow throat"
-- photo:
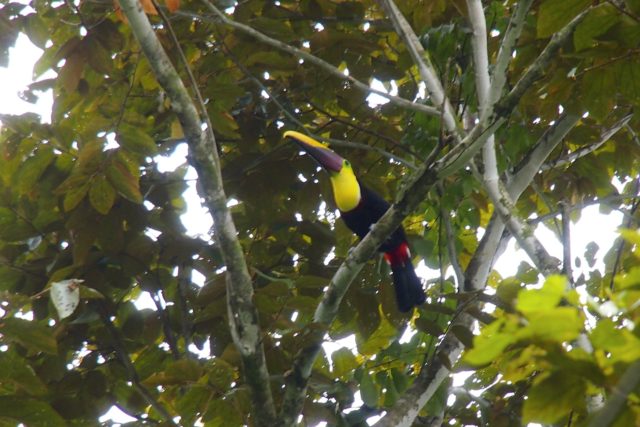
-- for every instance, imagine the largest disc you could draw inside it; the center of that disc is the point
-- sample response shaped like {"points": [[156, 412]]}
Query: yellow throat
{"points": [[346, 190]]}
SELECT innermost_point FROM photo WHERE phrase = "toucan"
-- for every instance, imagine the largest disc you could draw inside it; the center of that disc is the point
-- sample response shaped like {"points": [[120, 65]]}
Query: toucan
{"points": [[360, 208]]}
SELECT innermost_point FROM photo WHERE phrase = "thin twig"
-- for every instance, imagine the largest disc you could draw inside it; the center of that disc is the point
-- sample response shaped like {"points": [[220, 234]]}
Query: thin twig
{"points": [[583, 151], [451, 243], [627, 224], [132, 374], [566, 242]]}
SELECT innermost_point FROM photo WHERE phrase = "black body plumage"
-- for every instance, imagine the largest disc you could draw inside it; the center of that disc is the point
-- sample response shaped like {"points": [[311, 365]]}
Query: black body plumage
{"points": [[407, 285]]}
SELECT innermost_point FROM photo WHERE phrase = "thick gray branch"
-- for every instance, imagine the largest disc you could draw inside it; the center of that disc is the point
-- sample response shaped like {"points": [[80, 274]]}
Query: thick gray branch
{"points": [[421, 59], [533, 161], [476, 274], [511, 36], [203, 156]]}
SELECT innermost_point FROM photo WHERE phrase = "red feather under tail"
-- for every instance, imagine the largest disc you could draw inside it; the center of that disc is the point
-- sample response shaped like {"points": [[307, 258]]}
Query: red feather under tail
{"points": [[406, 283]]}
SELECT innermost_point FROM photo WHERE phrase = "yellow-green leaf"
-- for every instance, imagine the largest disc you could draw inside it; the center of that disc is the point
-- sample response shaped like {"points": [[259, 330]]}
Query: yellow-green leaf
{"points": [[28, 411], [344, 361], [136, 140], [560, 325], [597, 22], [32, 168], [102, 195], [74, 196], [31, 334], [548, 297], [494, 338], [121, 178], [553, 397], [368, 391]]}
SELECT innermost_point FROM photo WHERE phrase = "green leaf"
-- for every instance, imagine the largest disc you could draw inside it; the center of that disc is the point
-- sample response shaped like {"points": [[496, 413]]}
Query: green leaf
{"points": [[631, 236], [98, 57], [533, 300], [192, 403], [429, 326], [620, 343], [221, 413], [31, 334], [438, 401], [33, 168], [553, 15], [75, 195], [136, 140], [597, 86], [491, 342], [221, 374], [123, 180], [378, 340], [527, 274], [102, 195], [71, 72], [560, 325], [37, 30], [597, 22], [19, 375], [368, 390], [629, 280], [391, 394], [344, 362], [552, 397], [29, 411]]}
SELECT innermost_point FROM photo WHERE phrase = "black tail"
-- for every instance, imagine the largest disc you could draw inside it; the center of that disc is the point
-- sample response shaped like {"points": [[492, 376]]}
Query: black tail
{"points": [[408, 287]]}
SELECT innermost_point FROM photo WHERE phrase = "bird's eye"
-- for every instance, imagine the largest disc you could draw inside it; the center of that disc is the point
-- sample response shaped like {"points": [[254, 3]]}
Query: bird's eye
{"points": [[346, 163]]}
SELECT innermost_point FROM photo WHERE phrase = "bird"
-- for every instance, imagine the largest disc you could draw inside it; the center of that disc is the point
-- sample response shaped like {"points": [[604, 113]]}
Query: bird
{"points": [[360, 208]]}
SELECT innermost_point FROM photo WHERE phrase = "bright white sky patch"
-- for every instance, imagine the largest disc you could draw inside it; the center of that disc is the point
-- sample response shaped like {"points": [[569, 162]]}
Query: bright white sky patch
{"points": [[18, 76], [374, 99]]}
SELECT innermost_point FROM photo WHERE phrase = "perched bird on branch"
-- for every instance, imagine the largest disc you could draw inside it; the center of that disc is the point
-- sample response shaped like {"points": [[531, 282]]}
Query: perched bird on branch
{"points": [[360, 208]]}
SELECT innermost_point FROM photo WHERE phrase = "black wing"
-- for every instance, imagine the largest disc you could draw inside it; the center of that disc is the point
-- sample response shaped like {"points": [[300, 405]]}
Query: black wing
{"points": [[368, 212]]}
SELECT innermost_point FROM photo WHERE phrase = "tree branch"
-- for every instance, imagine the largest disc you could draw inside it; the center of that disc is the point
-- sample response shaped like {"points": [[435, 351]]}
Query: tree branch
{"points": [[408, 406], [451, 246], [629, 381], [566, 242], [203, 156], [583, 151], [426, 69], [533, 161], [536, 69], [476, 274], [522, 232], [511, 36], [132, 374], [401, 102]]}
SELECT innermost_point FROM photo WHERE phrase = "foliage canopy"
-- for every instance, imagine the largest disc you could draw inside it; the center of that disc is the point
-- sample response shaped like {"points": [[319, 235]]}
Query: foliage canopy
{"points": [[81, 197]]}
